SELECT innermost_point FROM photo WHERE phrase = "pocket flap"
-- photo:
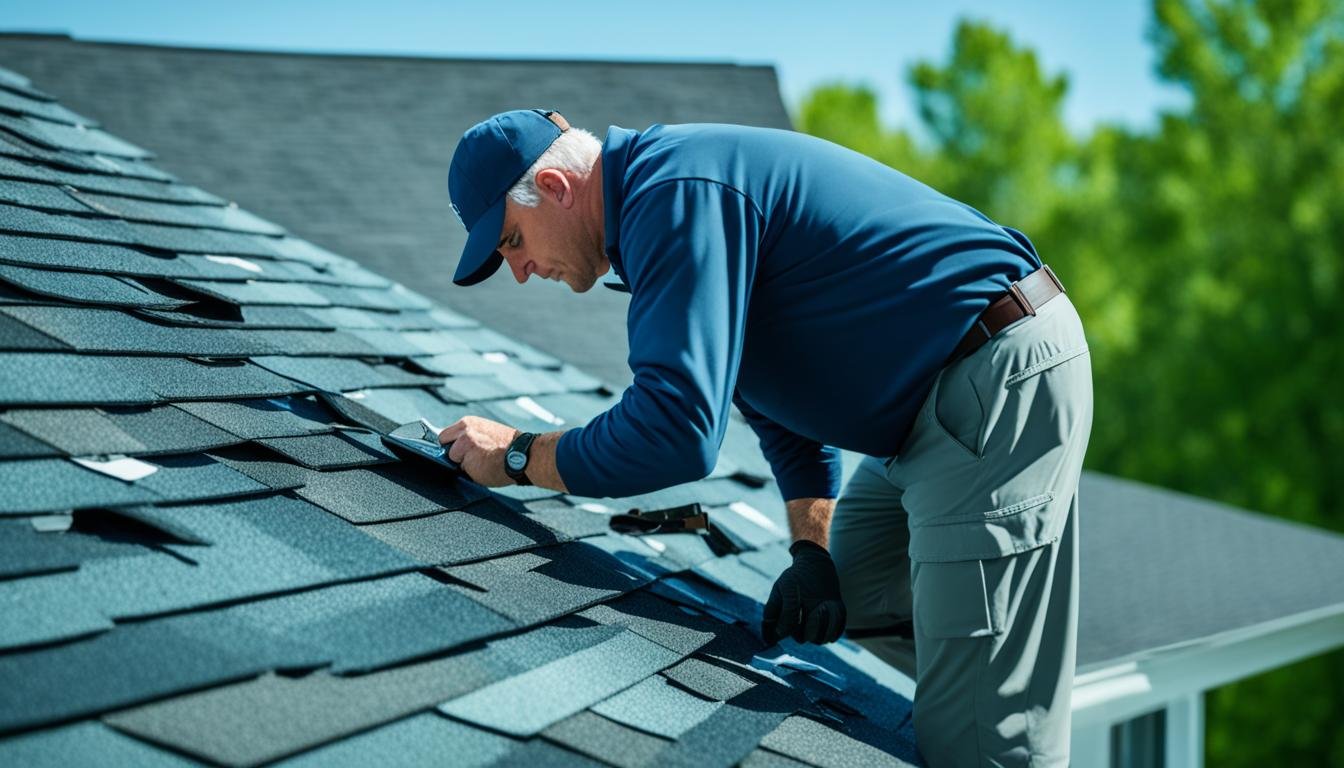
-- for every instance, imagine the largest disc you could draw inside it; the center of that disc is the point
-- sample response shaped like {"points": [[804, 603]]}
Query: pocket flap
{"points": [[1010, 529]]}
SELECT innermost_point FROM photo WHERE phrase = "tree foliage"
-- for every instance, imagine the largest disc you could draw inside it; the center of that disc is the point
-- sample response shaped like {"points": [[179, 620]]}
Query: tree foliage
{"points": [[1205, 257]]}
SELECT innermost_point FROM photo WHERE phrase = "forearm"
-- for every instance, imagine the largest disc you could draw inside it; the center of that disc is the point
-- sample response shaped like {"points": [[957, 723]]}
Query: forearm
{"points": [[811, 519], [541, 469]]}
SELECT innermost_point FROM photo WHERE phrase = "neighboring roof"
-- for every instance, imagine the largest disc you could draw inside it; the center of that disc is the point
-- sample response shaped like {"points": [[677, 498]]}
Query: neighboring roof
{"points": [[352, 152], [1175, 573], [208, 552]]}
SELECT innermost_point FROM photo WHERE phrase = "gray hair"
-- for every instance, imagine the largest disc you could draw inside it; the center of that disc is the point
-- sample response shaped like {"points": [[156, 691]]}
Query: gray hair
{"points": [[576, 150]]}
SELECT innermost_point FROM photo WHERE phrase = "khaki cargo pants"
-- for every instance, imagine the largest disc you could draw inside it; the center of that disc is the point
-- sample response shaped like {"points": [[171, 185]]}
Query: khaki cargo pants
{"points": [[969, 540]]}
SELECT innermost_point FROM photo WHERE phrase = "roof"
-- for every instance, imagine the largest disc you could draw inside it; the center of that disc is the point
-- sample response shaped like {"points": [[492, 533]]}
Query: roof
{"points": [[352, 151], [208, 552], [1165, 572]]}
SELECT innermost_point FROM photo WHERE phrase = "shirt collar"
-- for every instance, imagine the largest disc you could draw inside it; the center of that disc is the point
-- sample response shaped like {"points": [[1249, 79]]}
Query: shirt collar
{"points": [[615, 157]]}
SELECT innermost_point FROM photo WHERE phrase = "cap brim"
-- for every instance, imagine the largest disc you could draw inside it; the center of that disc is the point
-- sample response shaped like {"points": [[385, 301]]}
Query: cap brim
{"points": [[480, 257]]}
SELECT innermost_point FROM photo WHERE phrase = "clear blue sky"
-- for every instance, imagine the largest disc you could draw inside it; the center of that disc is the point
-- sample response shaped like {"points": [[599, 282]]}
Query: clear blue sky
{"points": [[1101, 45]]}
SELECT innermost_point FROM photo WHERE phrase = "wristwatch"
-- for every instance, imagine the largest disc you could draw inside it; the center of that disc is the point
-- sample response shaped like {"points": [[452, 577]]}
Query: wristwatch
{"points": [[515, 459]]}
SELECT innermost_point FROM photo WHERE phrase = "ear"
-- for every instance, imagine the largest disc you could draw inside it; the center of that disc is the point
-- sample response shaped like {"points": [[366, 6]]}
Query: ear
{"points": [[554, 184]]}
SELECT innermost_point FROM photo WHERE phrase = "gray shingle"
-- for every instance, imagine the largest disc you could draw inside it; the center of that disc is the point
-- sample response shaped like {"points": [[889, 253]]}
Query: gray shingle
{"points": [[708, 680], [76, 431], [165, 429], [256, 418], [44, 196], [402, 406], [183, 379], [67, 137], [572, 521], [259, 292], [332, 374], [372, 624], [383, 493], [85, 288], [196, 477], [18, 219], [258, 546], [88, 743], [732, 732], [415, 741], [529, 703], [656, 706], [656, 619], [136, 662], [106, 330], [218, 217], [273, 716], [476, 532], [820, 745], [12, 101], [17, 335], [54, 485], [252, 317], [543, 584], [16, 444], [93, 257], [44, 609], [339, 450], [609, 741], [116, 185]]}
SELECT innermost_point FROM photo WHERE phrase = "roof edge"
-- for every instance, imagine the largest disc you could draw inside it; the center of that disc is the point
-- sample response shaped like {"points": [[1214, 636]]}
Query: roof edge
{"points": [[1113, 691], [385, 56]]}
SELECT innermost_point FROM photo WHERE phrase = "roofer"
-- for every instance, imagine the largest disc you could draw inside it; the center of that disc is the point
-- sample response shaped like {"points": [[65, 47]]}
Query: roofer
{"points": [[840, 305]]}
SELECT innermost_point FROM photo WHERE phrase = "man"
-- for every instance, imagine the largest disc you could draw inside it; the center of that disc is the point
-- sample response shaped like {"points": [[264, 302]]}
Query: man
{"points": [[839, 304]]}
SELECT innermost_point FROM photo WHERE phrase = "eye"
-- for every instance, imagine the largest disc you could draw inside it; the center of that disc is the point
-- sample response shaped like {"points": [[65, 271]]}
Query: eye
{"points": [[516, 240]]}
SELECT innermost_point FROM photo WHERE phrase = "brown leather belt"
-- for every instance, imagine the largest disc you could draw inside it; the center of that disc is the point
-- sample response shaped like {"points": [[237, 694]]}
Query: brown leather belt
{"points": [[1023, 298]]}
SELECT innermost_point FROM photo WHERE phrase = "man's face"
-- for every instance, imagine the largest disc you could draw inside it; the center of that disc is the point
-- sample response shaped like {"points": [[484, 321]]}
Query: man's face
{"points": [[550, 241]]}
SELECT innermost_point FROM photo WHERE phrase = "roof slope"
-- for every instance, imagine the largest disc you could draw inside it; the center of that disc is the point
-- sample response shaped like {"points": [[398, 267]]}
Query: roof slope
{"points": [[352, 151], [1194, 571], [208, 553]]}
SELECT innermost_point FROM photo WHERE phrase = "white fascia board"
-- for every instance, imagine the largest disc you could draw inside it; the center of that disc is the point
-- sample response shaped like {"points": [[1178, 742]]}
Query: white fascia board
{"points": [[1118, 692]]}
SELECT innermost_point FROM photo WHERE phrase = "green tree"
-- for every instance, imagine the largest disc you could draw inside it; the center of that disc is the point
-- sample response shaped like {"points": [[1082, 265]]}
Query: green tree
{"points": [[1205, 257]]}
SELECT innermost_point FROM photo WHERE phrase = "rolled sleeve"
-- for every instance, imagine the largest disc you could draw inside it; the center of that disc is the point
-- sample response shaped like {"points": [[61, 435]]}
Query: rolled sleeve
{"points": [[689, 250]]}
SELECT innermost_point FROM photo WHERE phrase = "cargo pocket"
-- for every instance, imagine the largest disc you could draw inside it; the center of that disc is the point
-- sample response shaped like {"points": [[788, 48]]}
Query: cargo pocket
{"points": [[1016, 527], [957, 599]]}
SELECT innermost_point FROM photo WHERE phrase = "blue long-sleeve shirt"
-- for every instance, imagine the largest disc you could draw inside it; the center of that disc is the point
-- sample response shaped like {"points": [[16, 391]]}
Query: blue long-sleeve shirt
{"points": [[815, 288]]}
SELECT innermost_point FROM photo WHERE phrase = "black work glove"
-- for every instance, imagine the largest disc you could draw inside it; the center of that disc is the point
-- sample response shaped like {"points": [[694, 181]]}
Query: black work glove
{"points": [[805, 602]]}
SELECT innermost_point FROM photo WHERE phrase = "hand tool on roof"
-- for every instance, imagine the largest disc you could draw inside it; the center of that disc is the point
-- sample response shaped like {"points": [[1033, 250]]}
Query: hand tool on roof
{"points": [[426, 447]]}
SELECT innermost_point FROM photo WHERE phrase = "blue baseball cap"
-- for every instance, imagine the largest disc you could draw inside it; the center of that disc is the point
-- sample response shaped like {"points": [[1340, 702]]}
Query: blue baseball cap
{"points": [[491, 157]]}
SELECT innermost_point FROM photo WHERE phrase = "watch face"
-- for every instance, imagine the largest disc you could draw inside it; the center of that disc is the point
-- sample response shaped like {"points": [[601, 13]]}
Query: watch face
{"points": [[516, 460]]}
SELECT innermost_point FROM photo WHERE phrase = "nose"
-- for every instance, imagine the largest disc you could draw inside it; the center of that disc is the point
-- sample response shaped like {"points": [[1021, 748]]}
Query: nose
{"points": [[518, 266]]}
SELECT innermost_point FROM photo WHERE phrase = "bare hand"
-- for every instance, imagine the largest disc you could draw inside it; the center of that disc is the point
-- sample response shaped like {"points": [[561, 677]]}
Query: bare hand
{"points": [[479, 445]]}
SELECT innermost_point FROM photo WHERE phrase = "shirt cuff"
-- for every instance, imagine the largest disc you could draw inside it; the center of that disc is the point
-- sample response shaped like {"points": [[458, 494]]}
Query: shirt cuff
{"points": [[813, 480]]}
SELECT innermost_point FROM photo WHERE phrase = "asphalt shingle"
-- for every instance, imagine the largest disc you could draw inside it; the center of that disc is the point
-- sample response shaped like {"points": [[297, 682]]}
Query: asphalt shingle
{"points": [[272, 716], [136, 662], [606, 740], [529, 703], [251, 419], [85, 288]]}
